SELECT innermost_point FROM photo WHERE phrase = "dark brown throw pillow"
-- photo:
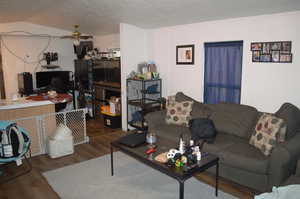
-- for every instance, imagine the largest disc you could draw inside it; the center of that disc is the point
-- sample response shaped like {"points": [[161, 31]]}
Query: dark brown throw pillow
{"points": [[180, 97], [291, 115]]}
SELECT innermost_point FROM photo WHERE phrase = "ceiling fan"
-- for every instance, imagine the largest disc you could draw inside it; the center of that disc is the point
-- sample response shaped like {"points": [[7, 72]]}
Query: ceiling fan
{"points": [[76, 35]]}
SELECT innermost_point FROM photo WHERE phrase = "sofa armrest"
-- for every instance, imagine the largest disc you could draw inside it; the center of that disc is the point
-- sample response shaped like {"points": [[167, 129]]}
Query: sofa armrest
{"points": [[283, 160], [156, 118], [293, 146]]}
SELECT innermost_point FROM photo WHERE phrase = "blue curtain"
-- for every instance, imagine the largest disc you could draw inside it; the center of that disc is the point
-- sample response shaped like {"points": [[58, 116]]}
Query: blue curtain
{"points": [[223, 72]]}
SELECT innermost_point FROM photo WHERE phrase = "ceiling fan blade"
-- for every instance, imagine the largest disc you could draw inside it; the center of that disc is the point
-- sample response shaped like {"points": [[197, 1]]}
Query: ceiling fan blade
{"points": [[77, 35], [86, 37], [67, 37]]}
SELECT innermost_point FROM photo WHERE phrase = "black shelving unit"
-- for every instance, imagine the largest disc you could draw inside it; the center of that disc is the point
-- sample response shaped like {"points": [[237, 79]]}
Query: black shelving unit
{"points": [[87, 72], [84, 84], [143, 96]]}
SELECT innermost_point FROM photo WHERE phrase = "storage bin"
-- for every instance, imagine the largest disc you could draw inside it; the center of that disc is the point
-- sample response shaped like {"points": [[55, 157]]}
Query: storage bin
{"points": [[112, 121]]}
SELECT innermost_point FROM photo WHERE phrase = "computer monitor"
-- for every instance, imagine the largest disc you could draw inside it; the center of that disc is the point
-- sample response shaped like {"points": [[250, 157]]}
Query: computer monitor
{"points": [[43, 79]]}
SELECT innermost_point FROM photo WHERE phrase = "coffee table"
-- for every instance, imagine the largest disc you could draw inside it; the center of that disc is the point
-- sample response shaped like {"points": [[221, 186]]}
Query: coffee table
{"points": [[178, 174]]}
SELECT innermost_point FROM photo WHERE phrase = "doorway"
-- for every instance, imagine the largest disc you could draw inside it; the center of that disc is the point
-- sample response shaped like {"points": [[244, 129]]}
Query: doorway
{"points": [[2, 88], [223, 72]]}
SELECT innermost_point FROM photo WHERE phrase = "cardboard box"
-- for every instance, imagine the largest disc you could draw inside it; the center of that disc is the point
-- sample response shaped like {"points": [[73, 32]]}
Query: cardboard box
{"points": [[115, 105]]}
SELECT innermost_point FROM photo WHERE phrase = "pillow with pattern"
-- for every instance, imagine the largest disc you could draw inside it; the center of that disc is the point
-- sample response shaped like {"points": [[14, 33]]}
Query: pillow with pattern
{"points": [[171, 100], [268, 131], [179, 113]]}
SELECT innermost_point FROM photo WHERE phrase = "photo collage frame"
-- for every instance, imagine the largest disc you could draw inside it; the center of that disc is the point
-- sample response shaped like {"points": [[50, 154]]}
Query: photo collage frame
{"points": [[274, 52]]}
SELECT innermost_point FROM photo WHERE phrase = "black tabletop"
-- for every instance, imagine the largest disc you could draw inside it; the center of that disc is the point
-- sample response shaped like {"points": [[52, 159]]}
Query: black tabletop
{"points": [[163, 145]]}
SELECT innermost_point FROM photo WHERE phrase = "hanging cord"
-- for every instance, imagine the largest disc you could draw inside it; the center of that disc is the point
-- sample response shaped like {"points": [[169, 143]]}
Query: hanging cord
{"points": [[20, 58]]}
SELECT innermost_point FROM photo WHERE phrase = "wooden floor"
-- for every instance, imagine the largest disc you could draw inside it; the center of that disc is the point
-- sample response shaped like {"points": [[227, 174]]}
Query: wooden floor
{"points": [[35, 186]]}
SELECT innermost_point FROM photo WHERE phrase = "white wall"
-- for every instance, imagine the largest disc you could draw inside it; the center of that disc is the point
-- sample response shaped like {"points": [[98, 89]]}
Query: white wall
{"points": [[28, 48], [264, 85], [104, 42], [134, 43]]}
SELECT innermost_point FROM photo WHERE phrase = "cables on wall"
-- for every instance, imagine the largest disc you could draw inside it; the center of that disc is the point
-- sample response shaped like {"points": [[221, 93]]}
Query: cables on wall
{"points": [[16, 33]]}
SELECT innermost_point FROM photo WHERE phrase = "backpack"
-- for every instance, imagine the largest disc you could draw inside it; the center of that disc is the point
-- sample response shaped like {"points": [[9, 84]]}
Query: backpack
{"points": [[12, 140], [203, 129]]}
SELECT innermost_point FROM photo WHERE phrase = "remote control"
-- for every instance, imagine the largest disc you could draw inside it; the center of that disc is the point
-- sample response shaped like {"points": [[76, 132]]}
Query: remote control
{"points": [[151, 150]]}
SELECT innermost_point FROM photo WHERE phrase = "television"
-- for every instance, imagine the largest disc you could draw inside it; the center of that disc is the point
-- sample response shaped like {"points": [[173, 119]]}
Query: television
{"points": [[43, 79]]}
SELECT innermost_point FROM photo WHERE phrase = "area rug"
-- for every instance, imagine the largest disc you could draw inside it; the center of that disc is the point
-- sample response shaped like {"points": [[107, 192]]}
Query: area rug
{"points": [[92, 179]]}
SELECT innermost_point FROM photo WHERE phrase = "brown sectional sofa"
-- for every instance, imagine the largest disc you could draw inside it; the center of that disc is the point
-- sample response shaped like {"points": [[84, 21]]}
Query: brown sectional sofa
{"points": [[240, 161]]}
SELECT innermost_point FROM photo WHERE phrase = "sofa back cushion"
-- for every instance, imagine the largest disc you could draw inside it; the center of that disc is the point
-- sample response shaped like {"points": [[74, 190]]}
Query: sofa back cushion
{"points": [[235, 119], [291, 115], [180, 96], [199, 110]]}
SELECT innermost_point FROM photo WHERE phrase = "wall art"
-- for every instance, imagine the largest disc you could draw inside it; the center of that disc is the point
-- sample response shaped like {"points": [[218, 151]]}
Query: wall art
{"points": [[274, 52], [185, 54]]}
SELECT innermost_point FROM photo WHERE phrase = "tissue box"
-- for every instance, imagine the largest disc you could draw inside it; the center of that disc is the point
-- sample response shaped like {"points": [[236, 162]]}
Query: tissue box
{"points": [[62, 147]]}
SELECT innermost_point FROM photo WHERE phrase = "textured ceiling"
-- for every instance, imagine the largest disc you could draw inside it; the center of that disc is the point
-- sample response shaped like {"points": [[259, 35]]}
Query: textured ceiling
{"points": [[104, 16]]}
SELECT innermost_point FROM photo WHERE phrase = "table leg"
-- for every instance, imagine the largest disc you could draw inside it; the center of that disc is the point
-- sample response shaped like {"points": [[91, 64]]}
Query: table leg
{"points": [[217, 178], [111, 160], [181, 190]]}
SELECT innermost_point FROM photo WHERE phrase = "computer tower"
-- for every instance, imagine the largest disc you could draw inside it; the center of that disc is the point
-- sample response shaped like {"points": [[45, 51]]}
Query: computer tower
{"points": [[25, 83]]}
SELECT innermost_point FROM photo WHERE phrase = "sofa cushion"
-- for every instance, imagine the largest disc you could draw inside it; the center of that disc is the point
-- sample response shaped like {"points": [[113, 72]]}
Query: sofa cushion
{"points": [[234, 119], [244, 156], [179, 113], [199, 110], [236, 152], [291, 115], [171, 131], [221, 143], [171, 99], [180, 96], [267, 133]]}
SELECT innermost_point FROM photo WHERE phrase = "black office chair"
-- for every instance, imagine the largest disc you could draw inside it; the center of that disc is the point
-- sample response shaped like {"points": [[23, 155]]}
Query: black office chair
{"points": [[59, 86]]}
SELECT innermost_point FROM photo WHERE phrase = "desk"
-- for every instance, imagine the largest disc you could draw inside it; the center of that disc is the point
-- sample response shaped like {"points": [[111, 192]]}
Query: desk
{"points": [[60, 100]]}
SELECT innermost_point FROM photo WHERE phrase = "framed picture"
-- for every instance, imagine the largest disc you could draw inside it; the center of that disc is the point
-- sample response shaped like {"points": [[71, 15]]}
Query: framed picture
{"points": [[265, 58], [266, 48], [286, 47], [185, 54], [256, 46], [276, 46], [274, 52], [256, 56], [285, 58], [275, 55]]}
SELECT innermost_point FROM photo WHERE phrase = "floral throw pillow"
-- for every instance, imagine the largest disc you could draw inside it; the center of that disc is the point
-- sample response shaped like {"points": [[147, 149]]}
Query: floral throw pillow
{"points": [[268, 131], [179, 113], [171, 100]]}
